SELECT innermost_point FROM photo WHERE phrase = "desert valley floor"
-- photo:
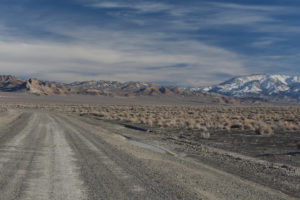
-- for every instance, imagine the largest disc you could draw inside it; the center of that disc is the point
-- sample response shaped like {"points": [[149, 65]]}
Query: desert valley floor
{"points": [[51, 150]]}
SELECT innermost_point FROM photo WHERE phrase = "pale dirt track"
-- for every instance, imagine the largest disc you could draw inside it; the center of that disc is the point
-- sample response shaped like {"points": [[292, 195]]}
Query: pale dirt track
{"points": [[52, 156]]}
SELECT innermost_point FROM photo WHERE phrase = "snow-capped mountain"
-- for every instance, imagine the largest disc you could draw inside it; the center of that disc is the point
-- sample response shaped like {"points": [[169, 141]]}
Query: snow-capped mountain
{"points": [[268, 86]]}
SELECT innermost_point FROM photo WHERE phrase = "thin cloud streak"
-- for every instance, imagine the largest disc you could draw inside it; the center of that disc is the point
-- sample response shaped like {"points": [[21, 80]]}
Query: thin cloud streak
{"points": [[140, 7], [249, 7]]}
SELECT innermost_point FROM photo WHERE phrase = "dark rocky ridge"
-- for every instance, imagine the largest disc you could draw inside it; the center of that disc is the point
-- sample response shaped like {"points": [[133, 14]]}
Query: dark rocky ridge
{"points": [[10, 83]]}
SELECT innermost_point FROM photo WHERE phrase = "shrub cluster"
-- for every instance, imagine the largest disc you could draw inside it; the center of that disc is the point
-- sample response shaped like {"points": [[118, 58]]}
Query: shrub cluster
{"points": [[262, 120]]}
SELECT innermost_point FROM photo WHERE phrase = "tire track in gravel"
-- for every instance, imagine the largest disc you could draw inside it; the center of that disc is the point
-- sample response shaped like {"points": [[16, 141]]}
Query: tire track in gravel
{"points": [[14, 128], [54, 175], [38, 164], [111, 174], [20, 152]]}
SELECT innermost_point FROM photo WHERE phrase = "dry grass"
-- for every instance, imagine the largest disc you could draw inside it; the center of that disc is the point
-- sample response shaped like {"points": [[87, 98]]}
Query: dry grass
{"points": [[204, 133], [262, 120], [263, 128]]}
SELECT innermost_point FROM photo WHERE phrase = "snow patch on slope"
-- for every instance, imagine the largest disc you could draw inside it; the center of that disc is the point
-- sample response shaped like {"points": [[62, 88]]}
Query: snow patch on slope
{"points": [[258, 85]]}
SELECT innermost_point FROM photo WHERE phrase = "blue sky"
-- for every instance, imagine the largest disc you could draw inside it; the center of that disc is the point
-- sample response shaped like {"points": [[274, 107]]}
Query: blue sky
{"points": [[185, 43]]}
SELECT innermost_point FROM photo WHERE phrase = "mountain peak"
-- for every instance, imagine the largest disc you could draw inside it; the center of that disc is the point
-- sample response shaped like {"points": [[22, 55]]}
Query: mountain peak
{"points": [[274, 86]]}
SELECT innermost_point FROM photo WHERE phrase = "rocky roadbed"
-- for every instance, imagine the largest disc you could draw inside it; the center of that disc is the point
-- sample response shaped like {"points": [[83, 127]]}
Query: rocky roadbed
{"points": [[272, 161]]}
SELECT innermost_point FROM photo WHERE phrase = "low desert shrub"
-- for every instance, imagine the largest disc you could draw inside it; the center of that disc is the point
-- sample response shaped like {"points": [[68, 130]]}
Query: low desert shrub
{"points": [[159, 122], [263, 120], [204, 133], [149, 122], [248, 125], [134, 120], [190, 123], [263, 129]]}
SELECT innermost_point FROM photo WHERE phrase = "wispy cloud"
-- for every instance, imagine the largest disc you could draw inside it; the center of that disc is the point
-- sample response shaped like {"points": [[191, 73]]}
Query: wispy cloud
{"points": [[140, 57], [191, 44], [265, 42], [143, 7], [203, 15], [235, 6], [237, 18]]}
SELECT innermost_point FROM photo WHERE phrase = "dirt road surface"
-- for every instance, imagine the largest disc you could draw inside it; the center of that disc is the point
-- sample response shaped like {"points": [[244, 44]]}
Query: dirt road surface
{"points": [[53, 156]]}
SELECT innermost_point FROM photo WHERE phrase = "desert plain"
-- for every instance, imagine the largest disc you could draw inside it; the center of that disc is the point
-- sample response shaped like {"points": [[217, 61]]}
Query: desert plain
{"points": [[91, 147]]}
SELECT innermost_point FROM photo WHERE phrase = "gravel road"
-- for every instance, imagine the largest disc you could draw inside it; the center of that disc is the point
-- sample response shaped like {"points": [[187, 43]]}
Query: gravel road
{"points": [[54, 156]]}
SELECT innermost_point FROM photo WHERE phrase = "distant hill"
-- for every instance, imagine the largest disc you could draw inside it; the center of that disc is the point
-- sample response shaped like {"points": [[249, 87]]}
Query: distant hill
{"points": [[12, 84], [272, 87], [109, 88], [115, 88]]}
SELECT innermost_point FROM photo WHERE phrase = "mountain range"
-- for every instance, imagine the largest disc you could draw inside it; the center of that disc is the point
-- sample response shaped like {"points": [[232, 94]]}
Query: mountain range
{"points": [[270, 87], [10, 83]]}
